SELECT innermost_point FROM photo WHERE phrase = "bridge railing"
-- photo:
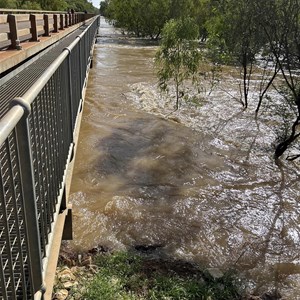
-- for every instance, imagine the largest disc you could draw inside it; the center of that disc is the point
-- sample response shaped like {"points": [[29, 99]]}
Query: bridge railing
{"points": [[19, 26], [36, 144]]}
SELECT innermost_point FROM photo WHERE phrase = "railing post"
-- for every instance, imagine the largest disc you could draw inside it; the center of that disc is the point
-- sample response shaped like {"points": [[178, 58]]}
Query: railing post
{"points": [[46, 25], [55, 23], [70, 19], [61, 22], [29, 197], [13, 28], [66, 20], [34, 32], [71, 95]]}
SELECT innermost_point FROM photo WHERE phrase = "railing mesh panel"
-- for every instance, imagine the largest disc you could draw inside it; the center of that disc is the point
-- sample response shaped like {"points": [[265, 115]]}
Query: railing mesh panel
{"points": [[50, 134], [15, 278]]}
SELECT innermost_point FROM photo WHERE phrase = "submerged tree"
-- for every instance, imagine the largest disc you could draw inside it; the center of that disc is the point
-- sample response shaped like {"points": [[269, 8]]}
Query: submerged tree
{"points": [[143, 18], [178, 57], [235, 37], [282, 28]]}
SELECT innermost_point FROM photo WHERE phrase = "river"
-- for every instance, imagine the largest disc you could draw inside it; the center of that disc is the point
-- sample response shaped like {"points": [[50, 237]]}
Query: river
{"points": [[199, 183]]}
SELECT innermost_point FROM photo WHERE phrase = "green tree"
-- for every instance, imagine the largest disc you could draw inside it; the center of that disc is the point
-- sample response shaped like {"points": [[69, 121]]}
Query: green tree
{"points": [[104, 7], [178, 57], [181, 8], [125, 14], [154, 15], [143, 18], [280, 20], [81, 5], [235, 37], [52, 5], [30, 5], [8, 4]]}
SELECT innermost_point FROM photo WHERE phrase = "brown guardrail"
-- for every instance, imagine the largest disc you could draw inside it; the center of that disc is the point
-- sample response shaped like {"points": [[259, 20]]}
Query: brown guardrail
{"points": [[17, 26]]}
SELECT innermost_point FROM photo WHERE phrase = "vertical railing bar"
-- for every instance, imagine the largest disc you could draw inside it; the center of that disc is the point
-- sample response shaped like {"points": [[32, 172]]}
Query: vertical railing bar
{"points": [[37, 137], [17, 221], [59, 119], [50, 142], [47, 112], [67, 109], [76, 95], [52, 197], [2, 209], [28, 192], [71, 93], [2, 277], [7, 235], [53, 165], [57, 126], [47, 204], [45, 172], [80, 65], [53, 143]]}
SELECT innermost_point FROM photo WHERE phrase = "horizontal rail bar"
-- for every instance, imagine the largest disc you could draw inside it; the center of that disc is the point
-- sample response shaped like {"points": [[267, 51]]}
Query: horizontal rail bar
{"points": [[32, 93], [9, 10], [9, 122]]}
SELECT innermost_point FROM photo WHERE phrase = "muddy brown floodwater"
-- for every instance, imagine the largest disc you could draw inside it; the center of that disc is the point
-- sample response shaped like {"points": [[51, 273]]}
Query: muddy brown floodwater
{"points": [[201, 183]]}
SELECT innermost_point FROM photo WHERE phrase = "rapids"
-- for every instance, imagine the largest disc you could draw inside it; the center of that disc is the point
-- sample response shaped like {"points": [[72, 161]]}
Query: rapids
{"points": [[200, 182]]}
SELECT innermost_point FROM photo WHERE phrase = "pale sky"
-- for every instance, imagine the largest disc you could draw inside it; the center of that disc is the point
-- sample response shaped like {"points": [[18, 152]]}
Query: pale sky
{"points": [[96, 3]]}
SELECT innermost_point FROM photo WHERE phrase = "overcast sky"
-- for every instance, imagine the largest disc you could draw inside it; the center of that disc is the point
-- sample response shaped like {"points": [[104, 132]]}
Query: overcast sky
{"points": [[96, 3]]}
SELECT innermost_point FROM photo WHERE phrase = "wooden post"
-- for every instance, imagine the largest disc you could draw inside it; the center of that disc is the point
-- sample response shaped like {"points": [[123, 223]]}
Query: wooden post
{"points": [[46, 25], [61, 22], [66, 20], [13, 29], [34, 32], [55, 23]]}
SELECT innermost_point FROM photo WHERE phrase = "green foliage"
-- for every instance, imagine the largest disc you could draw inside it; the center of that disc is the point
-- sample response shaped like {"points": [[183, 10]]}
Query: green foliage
{"points": [[104, 7], [143, 18], [236, 36], [126, 276], [51, 5], [178, 57], [8, 4], [81, 5]]}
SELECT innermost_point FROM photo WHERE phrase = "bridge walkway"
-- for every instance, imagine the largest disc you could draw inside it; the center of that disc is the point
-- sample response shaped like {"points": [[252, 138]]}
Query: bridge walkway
{"points": [[19, 81]]}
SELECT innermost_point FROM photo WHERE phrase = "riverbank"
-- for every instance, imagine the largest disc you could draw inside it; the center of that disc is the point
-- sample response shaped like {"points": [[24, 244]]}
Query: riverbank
{"points": [[143, 273]]}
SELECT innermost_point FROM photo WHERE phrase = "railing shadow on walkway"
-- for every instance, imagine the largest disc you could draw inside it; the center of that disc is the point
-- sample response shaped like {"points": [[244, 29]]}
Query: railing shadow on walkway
{"points": [[36, 148]]}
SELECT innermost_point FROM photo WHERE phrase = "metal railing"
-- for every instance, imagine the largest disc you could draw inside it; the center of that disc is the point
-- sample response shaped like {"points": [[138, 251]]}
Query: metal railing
{"points": [[36, 144]]}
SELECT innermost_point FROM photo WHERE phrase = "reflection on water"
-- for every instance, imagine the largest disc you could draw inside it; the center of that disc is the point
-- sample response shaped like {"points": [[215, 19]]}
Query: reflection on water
{"points": [[202, 183]]}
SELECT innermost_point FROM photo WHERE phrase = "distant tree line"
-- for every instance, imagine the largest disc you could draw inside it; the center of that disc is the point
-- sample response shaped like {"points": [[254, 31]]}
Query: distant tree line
{"points": [[52, 5], [235, 32]]}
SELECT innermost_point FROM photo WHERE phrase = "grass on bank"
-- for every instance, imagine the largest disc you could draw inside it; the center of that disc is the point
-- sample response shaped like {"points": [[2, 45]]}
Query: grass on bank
{"points": [[130, 277]]}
